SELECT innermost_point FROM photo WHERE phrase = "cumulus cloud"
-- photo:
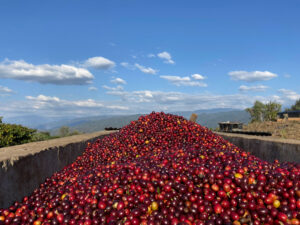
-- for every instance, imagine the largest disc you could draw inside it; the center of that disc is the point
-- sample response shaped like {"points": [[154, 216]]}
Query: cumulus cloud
{"points": [[119, 107], [285, 97], [118, 80], [5, 91], [99, 62], [117, 88], [147, 70], [93, 89], [256, 88], [176, 79], [183, 81], [147, 101], [53, 106], [138, 101], [166, 56], [252, 76], [55, 103], [44, 73], [42, 99], [197, 76], [134, 96], [289, 94]]}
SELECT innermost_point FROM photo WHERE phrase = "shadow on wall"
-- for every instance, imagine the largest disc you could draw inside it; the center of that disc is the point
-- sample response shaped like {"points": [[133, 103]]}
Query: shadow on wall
{"points": [[22, 177], [266, 148]]}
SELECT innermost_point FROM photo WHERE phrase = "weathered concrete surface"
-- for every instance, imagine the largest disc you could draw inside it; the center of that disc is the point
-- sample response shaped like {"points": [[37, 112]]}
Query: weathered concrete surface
{"points": [[266, 148], [24, 167]]}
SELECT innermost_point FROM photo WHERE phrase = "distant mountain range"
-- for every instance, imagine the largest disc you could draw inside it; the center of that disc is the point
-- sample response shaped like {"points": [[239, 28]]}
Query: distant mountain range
{"points": [[211, 120], [208, 118]]}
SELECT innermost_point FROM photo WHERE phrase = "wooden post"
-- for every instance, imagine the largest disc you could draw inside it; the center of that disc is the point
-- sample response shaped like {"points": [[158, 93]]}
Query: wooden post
{"points": [[194, 117], [285, 117]]}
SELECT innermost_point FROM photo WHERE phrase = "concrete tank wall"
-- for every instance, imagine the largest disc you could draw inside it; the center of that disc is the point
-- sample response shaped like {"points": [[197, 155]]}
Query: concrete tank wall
{"points": [[266, 148], [24, 167]]}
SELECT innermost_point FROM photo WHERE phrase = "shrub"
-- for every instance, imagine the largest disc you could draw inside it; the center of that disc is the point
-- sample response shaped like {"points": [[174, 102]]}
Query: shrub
{"points": [[42, 136], [12, 134]]}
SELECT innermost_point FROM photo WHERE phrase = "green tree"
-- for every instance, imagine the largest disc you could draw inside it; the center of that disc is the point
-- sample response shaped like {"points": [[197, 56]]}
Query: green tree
{"points": [[296, 106], [12, 134], [264, 112], [74, 132], [64, 131], [41, 136], [271, 110], [257, 111]]}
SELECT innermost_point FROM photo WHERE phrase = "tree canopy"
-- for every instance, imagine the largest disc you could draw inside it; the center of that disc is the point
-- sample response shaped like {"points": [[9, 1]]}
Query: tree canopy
{"points": [[294, 107], [12, 134], [264, 112]]}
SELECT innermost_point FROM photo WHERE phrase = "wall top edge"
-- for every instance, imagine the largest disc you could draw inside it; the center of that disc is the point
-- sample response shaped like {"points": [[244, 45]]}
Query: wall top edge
{"points": [[265, 138], [13, 153]]}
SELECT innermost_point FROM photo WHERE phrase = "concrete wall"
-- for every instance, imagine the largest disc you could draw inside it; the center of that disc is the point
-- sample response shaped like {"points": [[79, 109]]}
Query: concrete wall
{"points": [[24, 167], [266, 148]]}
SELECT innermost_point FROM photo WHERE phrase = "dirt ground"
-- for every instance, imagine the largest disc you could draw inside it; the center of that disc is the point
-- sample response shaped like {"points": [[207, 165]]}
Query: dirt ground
{"points": [[283, 129]]}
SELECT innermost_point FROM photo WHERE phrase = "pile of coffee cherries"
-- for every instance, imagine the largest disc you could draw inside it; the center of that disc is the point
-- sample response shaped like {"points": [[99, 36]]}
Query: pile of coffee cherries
{"points": [[163, 169]]}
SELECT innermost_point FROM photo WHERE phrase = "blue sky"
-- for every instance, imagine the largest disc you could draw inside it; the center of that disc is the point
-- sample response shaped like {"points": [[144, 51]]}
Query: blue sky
{"points": [[82, 58]]}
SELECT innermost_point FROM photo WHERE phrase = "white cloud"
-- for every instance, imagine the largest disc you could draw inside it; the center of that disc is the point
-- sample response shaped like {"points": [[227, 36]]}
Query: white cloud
{"points": [[138, 101], [53, 106], [287, 75], [118, 80], [275, 98], [135, 96], [128, 66], [285, 97], [252, 76], [197, 76], [5, 91], [256, 88], [176, 79], [42, 102], [289, 94], [150, 55], [117, 107], [118, 88], [129, 102], [99, 62], [147, 70], [44, 73], [166, 56], [183, 81], [93, 89], [124, 64], [43, 98], [147, 101]]}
